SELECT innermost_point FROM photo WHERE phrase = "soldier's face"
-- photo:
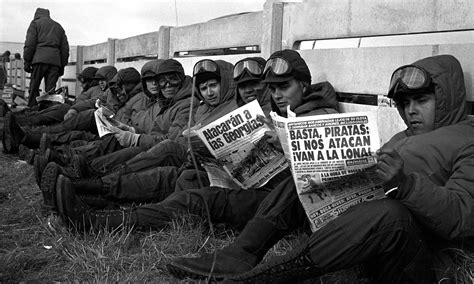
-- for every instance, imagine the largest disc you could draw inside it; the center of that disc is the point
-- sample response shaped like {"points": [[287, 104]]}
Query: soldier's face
{"points": [[419, 110], [211, 91], [250, 90], [289, 93]]}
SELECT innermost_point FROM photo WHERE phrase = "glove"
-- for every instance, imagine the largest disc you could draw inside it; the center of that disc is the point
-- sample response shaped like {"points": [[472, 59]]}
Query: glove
{"points": [[28, 67], [70, 113], [127, 138], [124, 127]]}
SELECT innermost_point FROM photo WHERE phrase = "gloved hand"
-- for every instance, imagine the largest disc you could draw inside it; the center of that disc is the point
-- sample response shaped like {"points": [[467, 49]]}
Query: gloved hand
{"points": [[28, 67], [70, 113], [125, 127], [127, 138]]}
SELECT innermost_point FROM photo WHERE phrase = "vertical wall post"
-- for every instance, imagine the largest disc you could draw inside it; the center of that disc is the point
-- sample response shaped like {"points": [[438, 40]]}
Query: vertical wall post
{"points": [[111, 51], [9, 74], [22, 74], [164, 42], [79, 66], [272, 27]]}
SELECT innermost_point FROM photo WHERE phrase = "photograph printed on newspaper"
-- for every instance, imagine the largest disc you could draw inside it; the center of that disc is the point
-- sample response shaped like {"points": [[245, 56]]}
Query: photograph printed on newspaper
{"points": [[332, 161], [242, 159]]}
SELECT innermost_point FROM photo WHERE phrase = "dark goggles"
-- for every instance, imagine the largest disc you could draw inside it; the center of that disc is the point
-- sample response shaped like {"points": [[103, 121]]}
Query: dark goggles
{"points": [[205, 65], [115, 89], [278, 66], [82, 79], [173, 80], [252, 66], [409, 77]]}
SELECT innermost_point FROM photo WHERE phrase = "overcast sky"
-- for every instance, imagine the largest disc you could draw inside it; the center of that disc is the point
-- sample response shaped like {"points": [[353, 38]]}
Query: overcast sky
{"points": [[88, 22]]}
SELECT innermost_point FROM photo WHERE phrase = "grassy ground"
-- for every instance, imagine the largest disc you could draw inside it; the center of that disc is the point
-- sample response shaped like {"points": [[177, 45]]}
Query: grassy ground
{"points": [[34, 246]]}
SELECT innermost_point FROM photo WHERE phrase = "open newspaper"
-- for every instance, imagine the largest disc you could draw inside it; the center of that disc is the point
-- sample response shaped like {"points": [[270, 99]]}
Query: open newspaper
{"points": [[105, 121], [332, 161], [240, 157]]}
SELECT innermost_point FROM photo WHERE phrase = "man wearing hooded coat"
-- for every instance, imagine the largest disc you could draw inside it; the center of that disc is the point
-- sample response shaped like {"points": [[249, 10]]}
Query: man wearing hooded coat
{"points": [[414, 235], [46, 53]]}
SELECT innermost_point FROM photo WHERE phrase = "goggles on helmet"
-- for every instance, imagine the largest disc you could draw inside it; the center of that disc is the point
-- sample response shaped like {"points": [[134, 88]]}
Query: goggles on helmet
{"points": [[172, 79], [409, 77], [252, 66], [205, 65], [278, 66]]}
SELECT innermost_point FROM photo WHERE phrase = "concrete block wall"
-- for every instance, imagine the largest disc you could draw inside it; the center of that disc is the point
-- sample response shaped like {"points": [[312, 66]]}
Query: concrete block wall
{"points": [[284, 25]]}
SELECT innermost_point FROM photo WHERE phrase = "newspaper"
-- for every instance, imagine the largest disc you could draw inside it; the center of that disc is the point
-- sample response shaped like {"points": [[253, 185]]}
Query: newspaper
{"points": [[332, 161], [105, 122], [240, 157], [51, 98]]}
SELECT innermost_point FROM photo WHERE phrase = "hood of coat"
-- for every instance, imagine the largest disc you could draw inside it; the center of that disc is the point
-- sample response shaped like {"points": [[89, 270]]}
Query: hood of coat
{"points": [[228, 86], [319, 96], [106, 72], [449, 89], [227, 101], [150, 70], [114, 103], [41, 12], [184, 92]]}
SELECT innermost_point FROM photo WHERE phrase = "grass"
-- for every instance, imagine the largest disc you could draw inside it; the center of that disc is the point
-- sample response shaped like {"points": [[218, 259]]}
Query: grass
{"points": [[34, 246]]}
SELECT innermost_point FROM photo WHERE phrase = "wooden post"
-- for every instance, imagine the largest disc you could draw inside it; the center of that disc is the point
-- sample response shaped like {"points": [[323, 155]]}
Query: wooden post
{"points": [[272, 26]]}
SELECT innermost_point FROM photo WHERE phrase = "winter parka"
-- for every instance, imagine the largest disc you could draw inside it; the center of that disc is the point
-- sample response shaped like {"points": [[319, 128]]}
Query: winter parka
{"points": [[135, 103], [93, 92], [207, 113], [105, 73], [439, 165], [172, 118], [142, 121], [46, 41]]}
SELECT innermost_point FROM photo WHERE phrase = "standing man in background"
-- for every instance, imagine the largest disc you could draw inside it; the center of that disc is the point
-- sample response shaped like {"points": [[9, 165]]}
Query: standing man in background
{"points": [[46, 52]]}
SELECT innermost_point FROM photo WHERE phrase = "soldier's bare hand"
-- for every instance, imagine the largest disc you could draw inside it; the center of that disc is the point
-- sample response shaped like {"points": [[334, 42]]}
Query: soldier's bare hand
{"points": [[390, 167]]}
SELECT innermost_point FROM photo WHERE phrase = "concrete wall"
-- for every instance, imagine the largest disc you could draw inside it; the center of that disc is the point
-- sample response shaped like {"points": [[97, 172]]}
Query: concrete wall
{"points": [[368, 70], [145, 44], [347, 18], [283, 25], [231, 31]]}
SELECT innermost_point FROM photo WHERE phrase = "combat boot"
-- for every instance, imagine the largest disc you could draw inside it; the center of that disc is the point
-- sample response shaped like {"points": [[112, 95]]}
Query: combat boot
{"points": [[48, 183], [79, 166], [26, 154], [90, 186], [74, 211], [12, 134], [293, 267], [31, 139], [98, 202], [39, 164], [246, 252], [45, 143]]}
